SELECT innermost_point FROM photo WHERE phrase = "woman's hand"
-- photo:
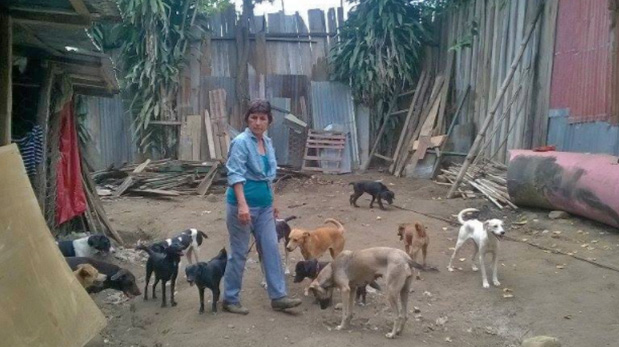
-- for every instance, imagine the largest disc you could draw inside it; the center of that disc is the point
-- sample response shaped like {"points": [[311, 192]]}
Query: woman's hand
{"points": [[244, 216]]}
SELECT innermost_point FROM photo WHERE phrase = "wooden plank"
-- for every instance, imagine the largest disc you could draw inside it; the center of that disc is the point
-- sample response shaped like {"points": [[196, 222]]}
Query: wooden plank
{"points": [[327, 136], [209, 135], [326, 141], [80, 7], [91, 194], [405, 127], [166, 122], [194, 123], [6, 68], [206, 183], [424, 144], [160, 192], [128, 182], [317, 158], [422, 118], [383, 157], [435, 141], [317, 25], [444, 94], [217, 99], [69, 21], [539, 124], [325, 146], [185, 148], [398, 112], [35, 274], [43, 107]]}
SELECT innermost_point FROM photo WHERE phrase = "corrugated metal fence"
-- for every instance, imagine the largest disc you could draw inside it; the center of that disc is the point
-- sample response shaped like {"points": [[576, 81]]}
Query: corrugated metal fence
{"points": [[110, 128]]}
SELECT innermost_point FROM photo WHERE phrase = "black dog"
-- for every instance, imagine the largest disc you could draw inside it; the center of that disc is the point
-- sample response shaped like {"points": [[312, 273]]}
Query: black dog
{"points": [[86, 246], [311, 268], [208, 275], [283, 233], [377, 190], [190, 240], [117, 277], [165, 266]]}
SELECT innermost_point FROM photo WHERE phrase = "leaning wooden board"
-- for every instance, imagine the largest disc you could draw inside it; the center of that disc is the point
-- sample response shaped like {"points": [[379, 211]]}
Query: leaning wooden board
{"points": [[41, 301]]}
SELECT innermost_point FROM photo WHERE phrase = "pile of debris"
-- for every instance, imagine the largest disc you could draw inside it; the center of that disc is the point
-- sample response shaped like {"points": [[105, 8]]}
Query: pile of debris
{"points": [[488, 178], [169, 178]]}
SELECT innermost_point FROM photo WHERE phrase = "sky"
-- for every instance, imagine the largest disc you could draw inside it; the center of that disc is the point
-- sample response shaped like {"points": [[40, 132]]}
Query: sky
{"points": [[292, 6]]}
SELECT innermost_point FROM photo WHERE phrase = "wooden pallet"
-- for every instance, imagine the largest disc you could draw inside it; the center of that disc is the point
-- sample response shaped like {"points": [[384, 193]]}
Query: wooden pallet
{"points": [[318, 142]]}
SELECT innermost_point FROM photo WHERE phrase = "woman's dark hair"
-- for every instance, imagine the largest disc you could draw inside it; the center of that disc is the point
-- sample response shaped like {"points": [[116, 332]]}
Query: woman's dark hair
{"points": [[259, 106]]}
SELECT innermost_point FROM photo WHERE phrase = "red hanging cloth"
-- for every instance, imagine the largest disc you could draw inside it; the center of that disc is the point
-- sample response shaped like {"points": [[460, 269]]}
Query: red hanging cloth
{"points": [[70, 196]]}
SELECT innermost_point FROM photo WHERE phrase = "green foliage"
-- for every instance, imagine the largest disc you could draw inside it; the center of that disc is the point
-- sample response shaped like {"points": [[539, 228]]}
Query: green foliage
{"points": [[380, 47], [466, 39], [153, 39]]}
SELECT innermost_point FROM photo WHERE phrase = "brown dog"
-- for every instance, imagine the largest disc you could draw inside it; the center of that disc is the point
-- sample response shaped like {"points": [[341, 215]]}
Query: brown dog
{"points": [[415, 239], [88, 276], [352, 269], [315, 243]]}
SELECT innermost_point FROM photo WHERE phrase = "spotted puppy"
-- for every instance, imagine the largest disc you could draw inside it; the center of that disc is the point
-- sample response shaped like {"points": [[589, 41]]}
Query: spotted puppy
{"points": [[86, 246], [190, 241]]}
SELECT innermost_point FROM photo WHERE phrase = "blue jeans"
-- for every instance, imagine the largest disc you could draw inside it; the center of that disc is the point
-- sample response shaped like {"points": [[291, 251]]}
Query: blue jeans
{"points": [[263, 228]]}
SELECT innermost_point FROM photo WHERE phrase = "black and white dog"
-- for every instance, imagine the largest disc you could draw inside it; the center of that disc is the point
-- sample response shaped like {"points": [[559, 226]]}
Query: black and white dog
{"points": [[86, 246], [190, 241]]}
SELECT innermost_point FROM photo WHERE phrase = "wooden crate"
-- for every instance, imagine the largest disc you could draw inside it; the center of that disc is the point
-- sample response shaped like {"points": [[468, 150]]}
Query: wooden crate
{"points": [[320, 141]]}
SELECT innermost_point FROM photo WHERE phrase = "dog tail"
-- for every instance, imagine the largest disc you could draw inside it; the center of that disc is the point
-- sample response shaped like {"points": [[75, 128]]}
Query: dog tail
{"points": [[421, 231], [339, 225], [288, 219], [143, 247], [466, 210], [415, 264], [203, 234]]}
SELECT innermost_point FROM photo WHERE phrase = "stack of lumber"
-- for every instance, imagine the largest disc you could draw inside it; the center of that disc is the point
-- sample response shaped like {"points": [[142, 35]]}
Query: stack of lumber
{"points": [[168, 178], [425, 121], [161, 178], [488, 178]]}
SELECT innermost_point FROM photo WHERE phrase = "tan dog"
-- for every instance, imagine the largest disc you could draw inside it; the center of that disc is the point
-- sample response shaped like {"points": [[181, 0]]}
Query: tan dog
{"points": [[88, 276], [415, 239], [315, 243], [352, 269]]}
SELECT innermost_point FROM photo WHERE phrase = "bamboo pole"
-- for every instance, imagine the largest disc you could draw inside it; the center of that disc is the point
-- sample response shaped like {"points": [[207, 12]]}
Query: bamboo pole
{"points": [[495, 106]]}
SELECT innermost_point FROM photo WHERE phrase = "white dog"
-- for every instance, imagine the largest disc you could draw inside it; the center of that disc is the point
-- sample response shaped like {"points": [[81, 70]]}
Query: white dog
{"points": [[486, 236]]}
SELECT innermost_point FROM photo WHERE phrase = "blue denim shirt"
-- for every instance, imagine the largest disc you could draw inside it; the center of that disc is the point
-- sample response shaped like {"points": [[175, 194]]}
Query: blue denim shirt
{"points": [[244, 161]]}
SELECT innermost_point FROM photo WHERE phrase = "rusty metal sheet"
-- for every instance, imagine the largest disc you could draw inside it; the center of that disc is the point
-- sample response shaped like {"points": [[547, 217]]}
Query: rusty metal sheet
{"points": [[581, 68]]}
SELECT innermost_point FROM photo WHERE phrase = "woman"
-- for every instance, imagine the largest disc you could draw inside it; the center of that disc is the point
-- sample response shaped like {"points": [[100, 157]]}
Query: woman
{"points": [[250, 208]]}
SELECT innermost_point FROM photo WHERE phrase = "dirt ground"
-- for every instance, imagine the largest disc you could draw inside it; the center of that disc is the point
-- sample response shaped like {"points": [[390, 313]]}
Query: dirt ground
{"points": [[553, 294]]}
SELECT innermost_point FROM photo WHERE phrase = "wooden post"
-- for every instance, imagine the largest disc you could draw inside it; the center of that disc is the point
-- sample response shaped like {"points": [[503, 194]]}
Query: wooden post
{"points": [[6, 96], [495, 106], [43, 120]]}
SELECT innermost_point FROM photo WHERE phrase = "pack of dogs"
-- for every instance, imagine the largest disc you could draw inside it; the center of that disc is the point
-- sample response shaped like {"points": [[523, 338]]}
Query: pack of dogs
{"points": [[351, 272]]}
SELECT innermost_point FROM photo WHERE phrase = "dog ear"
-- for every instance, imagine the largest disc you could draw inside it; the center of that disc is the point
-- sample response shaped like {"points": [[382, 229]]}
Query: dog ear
{"points": [[306, 234], [118, 275], [91, 241], [81, 270], [486, 225]]}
